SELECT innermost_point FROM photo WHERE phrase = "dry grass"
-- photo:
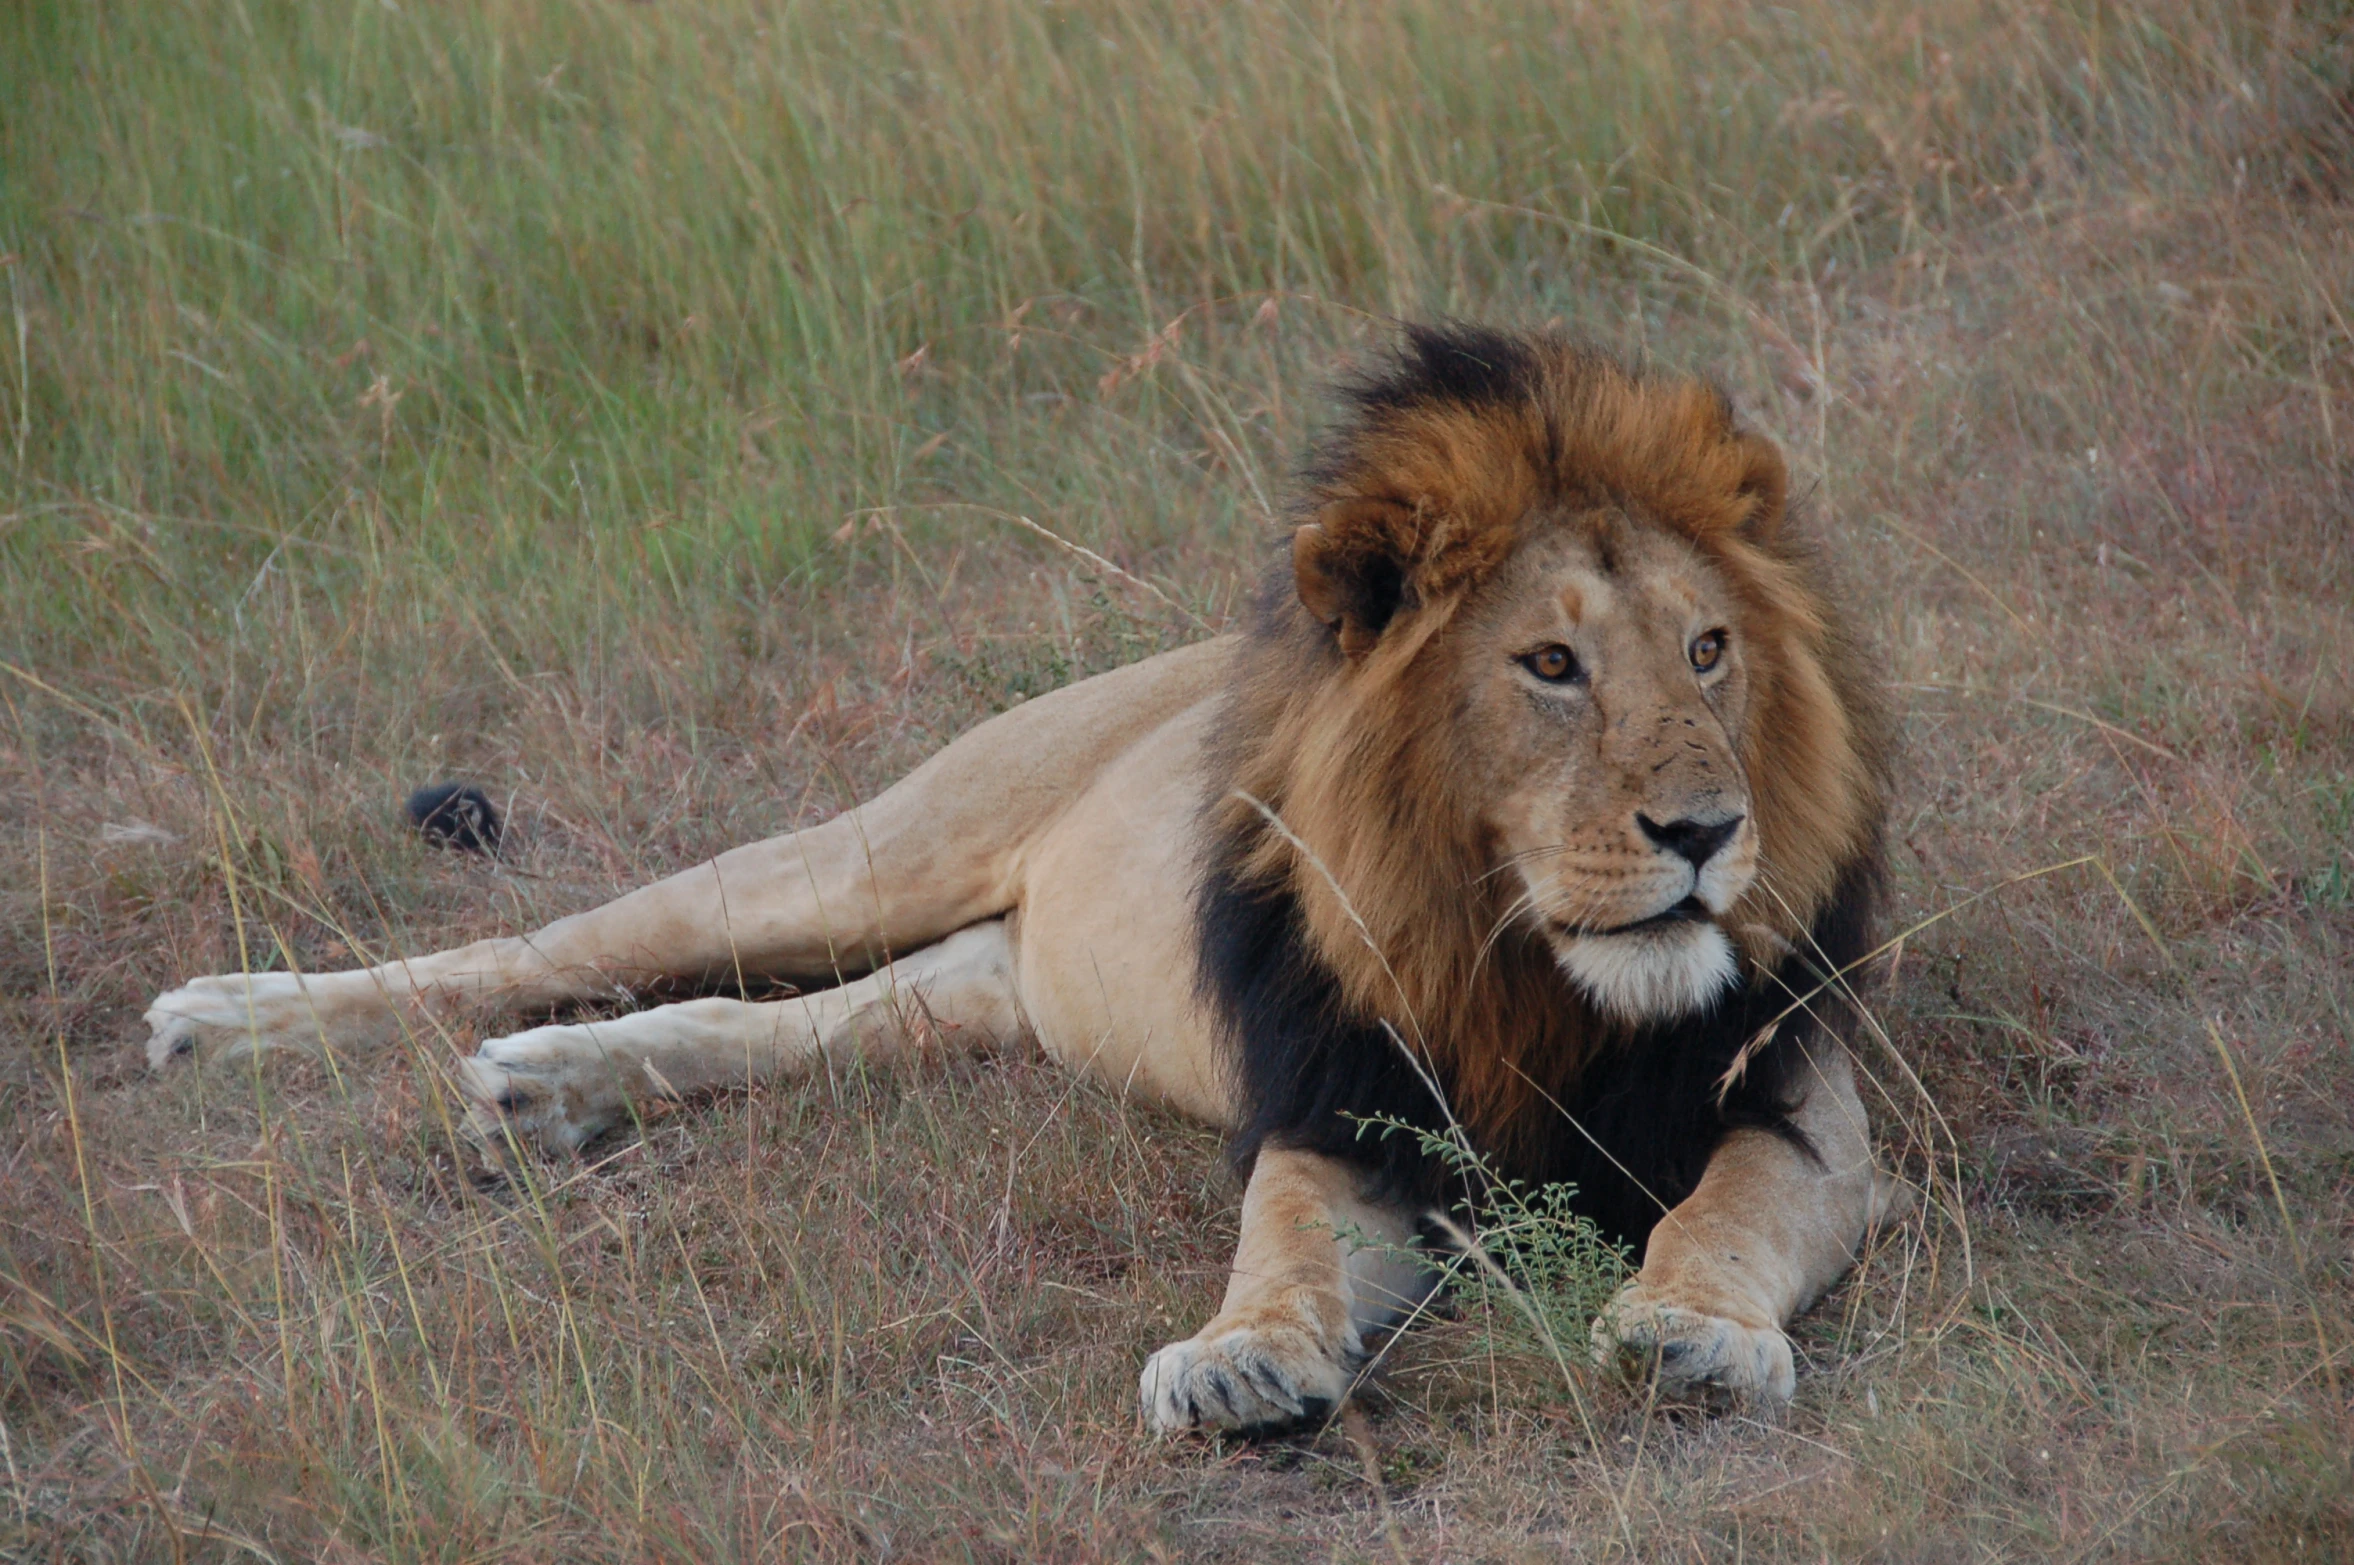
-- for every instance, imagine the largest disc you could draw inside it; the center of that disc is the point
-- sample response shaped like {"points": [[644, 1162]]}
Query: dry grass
{"points": [[625, 406]]}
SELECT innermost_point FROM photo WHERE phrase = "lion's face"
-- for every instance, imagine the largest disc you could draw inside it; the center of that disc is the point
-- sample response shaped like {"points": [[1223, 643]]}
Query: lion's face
{"points": [[1554, 679], [1601, 683]]}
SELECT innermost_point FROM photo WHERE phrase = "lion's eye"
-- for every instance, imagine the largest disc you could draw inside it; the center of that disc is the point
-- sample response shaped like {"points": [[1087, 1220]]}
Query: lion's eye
{"points": [[1555, 665], [1707, 649]]}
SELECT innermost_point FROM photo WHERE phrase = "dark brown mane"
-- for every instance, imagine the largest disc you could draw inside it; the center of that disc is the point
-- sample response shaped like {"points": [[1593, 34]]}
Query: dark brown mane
{"points": [[1443, 458]]}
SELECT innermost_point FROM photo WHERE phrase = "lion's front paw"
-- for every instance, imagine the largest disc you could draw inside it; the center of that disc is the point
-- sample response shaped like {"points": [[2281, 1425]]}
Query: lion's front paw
{"points": [[227, 1016], [1243, 1379], [552, 1085], [1691, 1347]]}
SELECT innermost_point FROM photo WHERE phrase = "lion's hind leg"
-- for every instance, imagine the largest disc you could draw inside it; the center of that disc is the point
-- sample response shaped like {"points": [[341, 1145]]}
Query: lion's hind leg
{"points": [[235, 1014], [561, 1085]]}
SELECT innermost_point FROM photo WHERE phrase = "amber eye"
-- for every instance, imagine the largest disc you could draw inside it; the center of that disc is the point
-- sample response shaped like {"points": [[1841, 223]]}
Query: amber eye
{"points": [[1555, 665], [1707, 649]]}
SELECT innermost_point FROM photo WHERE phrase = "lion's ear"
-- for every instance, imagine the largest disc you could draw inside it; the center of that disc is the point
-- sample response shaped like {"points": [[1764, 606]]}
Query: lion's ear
{"points": [[1765, 484], [1349, 567]]}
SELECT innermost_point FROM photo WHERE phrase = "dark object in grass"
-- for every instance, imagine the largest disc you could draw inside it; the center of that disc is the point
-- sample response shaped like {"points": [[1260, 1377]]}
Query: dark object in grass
{"points": [[455, 815]]}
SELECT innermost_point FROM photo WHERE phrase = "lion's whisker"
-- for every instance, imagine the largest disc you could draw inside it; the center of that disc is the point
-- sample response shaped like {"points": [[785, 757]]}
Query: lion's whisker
{"points": [[1515, 860]]}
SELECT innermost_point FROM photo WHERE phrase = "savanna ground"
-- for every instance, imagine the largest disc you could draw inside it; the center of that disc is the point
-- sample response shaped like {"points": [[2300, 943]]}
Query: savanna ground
{"points": [[666, 415]]}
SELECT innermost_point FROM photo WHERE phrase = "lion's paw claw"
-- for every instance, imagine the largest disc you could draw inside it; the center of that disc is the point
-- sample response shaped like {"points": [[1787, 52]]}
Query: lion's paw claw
{"points": [[1241, 1380], [1691, 1347], [522, 1084], [228, 1016]]}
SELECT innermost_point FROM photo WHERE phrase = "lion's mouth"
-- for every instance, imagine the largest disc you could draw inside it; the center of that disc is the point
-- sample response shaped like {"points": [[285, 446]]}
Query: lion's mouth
{"points": [[1689, 911]]}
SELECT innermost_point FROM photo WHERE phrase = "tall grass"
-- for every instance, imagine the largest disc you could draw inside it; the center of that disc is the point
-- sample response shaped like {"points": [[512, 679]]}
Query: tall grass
{"points": [[549, 302], [633, 405]]}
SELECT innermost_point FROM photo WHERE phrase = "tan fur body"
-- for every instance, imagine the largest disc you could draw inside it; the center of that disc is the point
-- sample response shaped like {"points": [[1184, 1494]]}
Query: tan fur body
{"points": [[1037, 879]]}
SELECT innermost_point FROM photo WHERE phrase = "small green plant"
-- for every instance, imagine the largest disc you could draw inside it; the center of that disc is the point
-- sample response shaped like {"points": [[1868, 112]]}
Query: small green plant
{"points": [[1530, 1269]]}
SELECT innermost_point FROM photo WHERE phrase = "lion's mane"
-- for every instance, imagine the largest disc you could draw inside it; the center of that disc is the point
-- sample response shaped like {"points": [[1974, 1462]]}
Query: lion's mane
{"points": [[1357, 930]]}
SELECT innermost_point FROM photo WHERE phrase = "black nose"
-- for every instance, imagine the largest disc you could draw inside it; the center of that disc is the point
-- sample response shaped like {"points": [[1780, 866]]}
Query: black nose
{"points": [[1694, 841]]}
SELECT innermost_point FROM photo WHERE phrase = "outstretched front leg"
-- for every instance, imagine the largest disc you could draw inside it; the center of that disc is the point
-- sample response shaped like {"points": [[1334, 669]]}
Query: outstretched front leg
{"points": [[1769, 1228], [1319, 1266]]}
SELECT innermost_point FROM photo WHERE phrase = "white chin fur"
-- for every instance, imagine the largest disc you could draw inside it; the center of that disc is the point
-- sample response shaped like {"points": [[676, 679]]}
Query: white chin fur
{"points": [[1654, 976]]}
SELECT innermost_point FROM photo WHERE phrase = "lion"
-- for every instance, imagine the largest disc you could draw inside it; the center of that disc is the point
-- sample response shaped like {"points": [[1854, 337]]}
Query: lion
{"points": [[1537, 803]]}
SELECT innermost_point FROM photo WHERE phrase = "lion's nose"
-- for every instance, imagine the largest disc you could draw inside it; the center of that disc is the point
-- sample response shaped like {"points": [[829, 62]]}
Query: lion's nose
{"points": [[1696, 841]]}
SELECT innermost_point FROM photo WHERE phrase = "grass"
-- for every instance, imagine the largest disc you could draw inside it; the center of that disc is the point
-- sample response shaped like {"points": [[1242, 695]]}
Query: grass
{"points": [[634, 407]]}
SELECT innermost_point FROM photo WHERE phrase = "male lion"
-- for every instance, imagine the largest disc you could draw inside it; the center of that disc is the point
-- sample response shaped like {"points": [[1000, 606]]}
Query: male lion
{"points": [[1540, 797]]}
